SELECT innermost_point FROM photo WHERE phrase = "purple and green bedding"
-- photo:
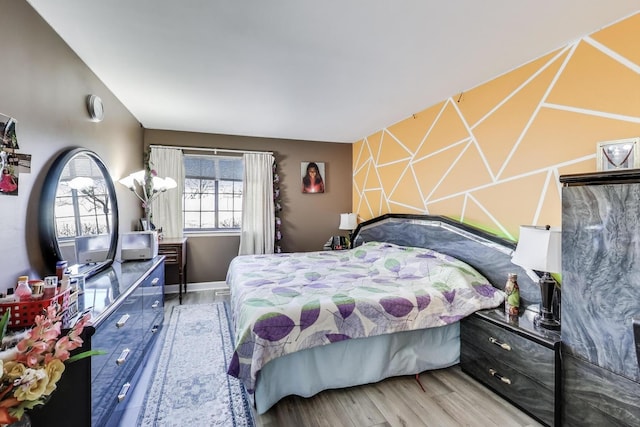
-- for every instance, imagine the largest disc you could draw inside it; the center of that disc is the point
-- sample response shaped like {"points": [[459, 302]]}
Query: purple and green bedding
{"points": [[283, 303]]}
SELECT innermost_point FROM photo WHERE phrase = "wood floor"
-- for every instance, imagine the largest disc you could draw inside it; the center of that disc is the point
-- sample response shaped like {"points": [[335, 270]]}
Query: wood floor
{"points": [[451, 399]]}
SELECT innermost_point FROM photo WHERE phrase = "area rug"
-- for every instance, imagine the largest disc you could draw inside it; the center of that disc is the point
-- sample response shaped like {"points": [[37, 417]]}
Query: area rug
{"points": [[190, 385]]}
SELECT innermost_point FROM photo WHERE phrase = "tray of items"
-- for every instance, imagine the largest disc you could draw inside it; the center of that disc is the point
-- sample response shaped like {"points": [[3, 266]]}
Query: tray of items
{"points": [[23, 313]]}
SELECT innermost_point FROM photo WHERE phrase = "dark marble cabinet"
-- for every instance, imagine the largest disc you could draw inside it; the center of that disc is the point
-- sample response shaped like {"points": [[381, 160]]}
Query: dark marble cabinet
{"points": [[126, 302], [601, 297], [515, 359]]}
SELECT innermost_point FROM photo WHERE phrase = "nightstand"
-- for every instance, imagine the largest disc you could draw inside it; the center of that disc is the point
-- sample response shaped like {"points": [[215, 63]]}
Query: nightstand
{"points": [[515, 359], [175, 253]]}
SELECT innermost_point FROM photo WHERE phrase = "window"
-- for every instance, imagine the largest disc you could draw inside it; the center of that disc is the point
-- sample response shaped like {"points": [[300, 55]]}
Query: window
{"points": [[82, 204], [212, 193]]}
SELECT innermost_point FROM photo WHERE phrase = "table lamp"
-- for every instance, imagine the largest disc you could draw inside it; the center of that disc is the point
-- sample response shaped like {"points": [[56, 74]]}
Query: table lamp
{"points": [[539, 249], [348, 221]]}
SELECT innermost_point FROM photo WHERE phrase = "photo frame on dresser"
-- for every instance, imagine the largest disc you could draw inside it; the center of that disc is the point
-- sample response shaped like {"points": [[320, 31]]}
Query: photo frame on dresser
{"points": [[618, 154]]}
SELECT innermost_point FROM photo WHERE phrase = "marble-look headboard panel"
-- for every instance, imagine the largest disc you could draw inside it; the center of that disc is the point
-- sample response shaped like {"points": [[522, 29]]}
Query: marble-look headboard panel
{"points": [[489, 254]]}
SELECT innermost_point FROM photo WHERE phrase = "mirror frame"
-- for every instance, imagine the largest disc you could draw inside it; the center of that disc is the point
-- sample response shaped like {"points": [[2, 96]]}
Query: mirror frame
{"points": [[48, 237]]}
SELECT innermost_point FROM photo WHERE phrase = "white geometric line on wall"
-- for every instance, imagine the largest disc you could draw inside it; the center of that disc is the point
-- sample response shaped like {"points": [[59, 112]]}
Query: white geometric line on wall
{"points": [[417, 185], [490, 216], [444, 175], [595, 113], [433, 124], [394, 162], [364, 165], [473, 139], [613, 54], [415, 160], [359, 156], [505, 180], [543, 195], [402, 205], [383, 140], [398, 181], [399, 142], [506, 99], [534, 115]]}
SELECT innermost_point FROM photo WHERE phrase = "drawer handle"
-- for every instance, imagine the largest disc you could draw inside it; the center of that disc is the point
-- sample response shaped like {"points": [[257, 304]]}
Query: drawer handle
{"points": [[123, 392], [495, 374], [155, 329], [123, 357], [502, 345], [155, 304], [155, 281], [123, 320]]}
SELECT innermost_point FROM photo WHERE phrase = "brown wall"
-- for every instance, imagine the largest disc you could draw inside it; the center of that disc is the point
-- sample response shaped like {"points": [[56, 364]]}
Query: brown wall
{"points": [[44, 86], [308, 220]]}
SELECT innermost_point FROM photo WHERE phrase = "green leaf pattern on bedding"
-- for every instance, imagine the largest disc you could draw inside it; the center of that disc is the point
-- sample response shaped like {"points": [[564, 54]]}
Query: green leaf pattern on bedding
{"points": [[284, 303]]}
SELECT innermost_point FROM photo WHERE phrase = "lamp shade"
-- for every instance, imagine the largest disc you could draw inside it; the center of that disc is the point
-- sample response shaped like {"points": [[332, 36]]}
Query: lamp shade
{"points": [[348, 221], [539, 248]]}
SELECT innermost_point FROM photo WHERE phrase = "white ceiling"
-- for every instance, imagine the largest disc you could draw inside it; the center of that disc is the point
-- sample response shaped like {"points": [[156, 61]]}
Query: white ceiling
{"points": [[332, 70]]}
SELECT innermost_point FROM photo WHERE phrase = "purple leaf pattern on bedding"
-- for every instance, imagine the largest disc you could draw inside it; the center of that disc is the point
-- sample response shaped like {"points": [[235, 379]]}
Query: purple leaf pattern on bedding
{"points": [[423, 299], [312, 276], [337, 337], [273, 326], [259, 302], [284, 303], [485, 290], [392, 265], [309, 314], [345, 304], [449, 295], [286, 292], [396, 306]]}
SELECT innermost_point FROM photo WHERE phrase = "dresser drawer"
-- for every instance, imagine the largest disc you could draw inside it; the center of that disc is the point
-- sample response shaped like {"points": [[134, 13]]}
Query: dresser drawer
{"points": [[523, 355], [121, 333], [171, 253], [153, 304], [522, 390]]}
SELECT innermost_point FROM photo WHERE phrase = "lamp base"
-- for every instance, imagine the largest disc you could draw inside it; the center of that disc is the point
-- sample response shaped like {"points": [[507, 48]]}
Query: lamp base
{"points": [[546, 319], [542, 322]]}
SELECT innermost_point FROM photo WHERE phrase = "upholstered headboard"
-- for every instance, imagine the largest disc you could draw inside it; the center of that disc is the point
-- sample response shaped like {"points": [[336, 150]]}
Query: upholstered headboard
{"points": [[487, 253]]}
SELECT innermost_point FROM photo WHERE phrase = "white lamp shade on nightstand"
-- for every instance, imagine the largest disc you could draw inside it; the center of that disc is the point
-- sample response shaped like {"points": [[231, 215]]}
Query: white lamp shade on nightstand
{"points": [[348, 221], [539, 249]]}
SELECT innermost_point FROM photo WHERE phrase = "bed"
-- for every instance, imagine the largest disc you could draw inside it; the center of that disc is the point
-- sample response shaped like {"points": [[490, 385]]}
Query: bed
{"points": [[306, 322]]}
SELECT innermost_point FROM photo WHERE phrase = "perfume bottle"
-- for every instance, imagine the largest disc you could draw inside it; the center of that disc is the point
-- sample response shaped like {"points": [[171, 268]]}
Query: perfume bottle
{"points": [[23, 291], [512, 302]]}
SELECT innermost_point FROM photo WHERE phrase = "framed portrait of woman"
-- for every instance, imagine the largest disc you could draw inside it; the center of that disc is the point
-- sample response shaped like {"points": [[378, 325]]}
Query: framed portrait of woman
{"points": [[313, 177]]}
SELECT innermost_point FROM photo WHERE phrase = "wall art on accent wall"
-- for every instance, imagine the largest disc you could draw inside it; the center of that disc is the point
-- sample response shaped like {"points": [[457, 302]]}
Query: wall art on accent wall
{"points": [[313, 178], [618, 154]]}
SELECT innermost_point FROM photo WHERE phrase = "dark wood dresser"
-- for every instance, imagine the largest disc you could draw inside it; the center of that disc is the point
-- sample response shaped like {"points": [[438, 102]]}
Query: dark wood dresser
{"points": [[126, 302], [515, 359]]}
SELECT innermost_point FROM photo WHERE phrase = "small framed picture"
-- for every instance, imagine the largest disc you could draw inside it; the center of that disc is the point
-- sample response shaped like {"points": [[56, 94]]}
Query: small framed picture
{"points": [[313, 178], [144, 224], [618, 154]]}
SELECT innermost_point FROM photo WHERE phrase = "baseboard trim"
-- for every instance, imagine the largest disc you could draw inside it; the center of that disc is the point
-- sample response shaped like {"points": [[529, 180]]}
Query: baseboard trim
{"points": [[218, 287]]}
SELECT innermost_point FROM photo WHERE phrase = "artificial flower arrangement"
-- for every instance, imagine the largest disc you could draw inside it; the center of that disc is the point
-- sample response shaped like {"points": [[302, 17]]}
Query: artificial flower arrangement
{"points": [[33, 361]]}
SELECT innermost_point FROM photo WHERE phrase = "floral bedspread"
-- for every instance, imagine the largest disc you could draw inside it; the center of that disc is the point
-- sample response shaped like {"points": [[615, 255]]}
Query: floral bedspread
{"points": [[283, 303]]}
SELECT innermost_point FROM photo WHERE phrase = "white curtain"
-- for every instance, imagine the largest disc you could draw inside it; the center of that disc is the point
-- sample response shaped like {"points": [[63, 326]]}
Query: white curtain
{"points": [[258, 217], [167, 207]]}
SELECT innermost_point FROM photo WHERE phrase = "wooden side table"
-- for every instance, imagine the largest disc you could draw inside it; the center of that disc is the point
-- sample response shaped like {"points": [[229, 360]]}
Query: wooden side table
{"points": [[175, 252]]}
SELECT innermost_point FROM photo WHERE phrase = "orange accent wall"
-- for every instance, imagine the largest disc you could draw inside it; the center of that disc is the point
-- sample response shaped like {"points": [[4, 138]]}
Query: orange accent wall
{"points": [[492, 155]]}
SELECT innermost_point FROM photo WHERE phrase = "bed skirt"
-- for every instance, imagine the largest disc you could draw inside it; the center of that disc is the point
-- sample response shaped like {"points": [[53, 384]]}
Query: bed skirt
{"points": [[355, 362]]}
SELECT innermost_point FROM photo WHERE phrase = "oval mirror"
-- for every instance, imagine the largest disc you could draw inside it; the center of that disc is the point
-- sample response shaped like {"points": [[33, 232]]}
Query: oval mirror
{"points": [[79, 213]]}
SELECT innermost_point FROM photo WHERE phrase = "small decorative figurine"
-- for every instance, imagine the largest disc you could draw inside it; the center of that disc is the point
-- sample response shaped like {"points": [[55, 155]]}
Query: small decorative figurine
{"points": [[512, 302]]}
